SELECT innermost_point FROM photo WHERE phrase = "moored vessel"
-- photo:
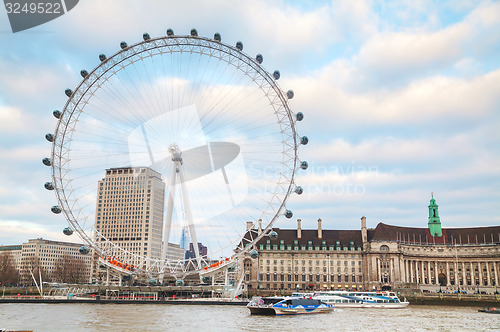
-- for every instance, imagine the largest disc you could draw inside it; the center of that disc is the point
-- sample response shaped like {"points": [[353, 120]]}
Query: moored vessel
{"points": [[346, 299], [288, 306], [489, 310]]}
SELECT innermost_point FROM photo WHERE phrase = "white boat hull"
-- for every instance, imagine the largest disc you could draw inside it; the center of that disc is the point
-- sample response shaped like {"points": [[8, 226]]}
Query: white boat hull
{"points": [[288, 306], [301, 311]]}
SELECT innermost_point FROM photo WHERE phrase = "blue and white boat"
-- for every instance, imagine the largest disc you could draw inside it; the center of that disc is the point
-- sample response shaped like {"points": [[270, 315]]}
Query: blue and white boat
{"points": [[288, 306], [345, 299]]}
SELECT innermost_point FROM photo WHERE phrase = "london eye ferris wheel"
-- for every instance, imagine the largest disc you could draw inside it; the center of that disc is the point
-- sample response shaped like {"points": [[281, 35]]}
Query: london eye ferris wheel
{"points": [[212, 126]]}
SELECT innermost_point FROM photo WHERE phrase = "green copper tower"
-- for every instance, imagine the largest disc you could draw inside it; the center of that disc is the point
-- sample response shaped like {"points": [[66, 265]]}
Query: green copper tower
{"points": [[434, 222]]}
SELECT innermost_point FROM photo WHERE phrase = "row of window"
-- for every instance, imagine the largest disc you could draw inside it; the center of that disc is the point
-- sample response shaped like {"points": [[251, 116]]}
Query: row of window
{"points": [[310, 242], [310, 255], [290, 286], [275, 269], [303, 248], [311, 278], [297, 262]]}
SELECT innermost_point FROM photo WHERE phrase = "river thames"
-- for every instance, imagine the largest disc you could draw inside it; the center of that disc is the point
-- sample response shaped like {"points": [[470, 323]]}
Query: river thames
{"points": [[144, 317]]}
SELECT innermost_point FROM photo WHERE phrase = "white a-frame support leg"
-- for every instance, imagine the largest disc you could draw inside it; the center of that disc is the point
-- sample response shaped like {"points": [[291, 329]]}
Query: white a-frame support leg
{"points": [[189, 216], [168, 219]]}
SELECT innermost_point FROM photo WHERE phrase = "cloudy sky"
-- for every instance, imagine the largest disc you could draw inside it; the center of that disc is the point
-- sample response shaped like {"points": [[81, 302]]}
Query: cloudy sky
{"points": [[401, 99]]}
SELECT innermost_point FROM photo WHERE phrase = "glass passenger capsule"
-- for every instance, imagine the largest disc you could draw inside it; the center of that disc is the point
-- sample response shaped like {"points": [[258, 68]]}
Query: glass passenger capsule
{"points": [[84, 250], [67, 231], [56, 209], [254, 254]]}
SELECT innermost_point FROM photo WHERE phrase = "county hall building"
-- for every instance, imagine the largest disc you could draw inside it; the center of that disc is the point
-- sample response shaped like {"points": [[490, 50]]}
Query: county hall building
{"points": [[431, 258]]}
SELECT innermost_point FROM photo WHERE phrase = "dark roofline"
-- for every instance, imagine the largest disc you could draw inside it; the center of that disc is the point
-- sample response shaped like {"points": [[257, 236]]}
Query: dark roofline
{"points": [[384, 232]]}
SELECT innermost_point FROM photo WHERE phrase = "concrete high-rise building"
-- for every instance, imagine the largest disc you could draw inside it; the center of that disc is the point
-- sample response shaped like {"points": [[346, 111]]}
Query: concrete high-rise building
{"points": [[46, 254], [129, 211]]}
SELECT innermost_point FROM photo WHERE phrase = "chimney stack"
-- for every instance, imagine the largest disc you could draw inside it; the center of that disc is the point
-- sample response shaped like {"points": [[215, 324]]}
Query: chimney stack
{"points": [[320, 230], [260, 226], [249, 225], [299, 230], [364, 236]]}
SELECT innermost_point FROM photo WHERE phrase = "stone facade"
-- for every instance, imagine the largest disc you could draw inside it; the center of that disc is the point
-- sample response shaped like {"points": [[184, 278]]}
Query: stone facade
{"points": [[306, 259], [461, 259], [416, 260]]}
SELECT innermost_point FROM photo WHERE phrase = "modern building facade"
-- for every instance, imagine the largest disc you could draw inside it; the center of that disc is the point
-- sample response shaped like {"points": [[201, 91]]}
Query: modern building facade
{"points": [[175, 252], [45, 254], [16, 254], [129, 211], [432, 258], [201, 249]]}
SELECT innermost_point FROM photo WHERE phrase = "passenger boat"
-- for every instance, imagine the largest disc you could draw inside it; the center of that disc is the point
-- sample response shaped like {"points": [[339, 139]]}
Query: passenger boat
{"points": [[263, 305], [489, 310], [345, 299], [288, 306]]}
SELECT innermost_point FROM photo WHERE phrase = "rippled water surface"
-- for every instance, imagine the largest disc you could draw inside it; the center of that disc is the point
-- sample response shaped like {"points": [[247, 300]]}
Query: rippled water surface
{"points": [[143, 317]]}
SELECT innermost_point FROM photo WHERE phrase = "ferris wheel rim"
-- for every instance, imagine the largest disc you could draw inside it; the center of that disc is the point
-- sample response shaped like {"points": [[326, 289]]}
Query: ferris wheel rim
{"points": [[107, 65]]}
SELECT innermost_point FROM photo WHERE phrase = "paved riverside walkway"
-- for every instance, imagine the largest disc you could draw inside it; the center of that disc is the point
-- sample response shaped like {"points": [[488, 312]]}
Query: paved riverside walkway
{"points": [[199, 301]]}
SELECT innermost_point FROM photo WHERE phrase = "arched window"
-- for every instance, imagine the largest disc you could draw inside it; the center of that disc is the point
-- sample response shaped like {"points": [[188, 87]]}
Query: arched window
{"points": [[384, 248]]}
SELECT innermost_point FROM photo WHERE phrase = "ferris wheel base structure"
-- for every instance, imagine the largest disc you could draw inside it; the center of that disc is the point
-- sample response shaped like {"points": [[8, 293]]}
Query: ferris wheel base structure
{"points": [[136, 107]]}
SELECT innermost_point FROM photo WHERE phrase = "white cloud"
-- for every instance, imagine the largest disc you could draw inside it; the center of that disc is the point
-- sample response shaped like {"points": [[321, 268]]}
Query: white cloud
{"points": [[287, 36], [20, 80], [436, 98], [394, 57], [11, 119], [20, 231], [402, 151]]}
